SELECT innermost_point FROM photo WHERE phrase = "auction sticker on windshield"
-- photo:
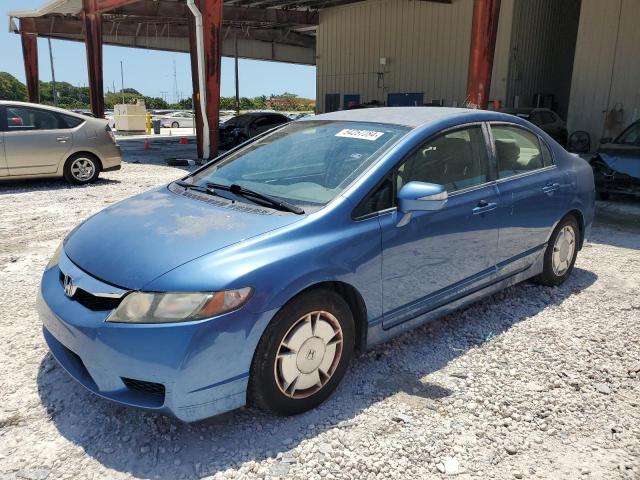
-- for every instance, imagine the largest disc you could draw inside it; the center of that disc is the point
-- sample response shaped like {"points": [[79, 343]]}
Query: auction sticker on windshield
{"points": [[359, 134]]}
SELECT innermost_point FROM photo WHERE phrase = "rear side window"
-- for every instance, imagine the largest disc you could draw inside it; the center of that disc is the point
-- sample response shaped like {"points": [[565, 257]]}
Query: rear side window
{"points": [[547, 157], [456, 160], [517, 151], [21, 119], [72, 122]]}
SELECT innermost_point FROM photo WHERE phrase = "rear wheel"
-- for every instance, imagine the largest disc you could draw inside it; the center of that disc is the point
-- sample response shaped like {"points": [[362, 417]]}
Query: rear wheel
{"points": [[561, 253], [303, 354], [81, 169], [175, 125]]}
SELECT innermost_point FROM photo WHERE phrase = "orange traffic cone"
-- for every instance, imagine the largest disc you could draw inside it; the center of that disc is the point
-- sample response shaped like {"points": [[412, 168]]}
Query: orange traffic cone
{"points": [[184, 141], [147, 145]]}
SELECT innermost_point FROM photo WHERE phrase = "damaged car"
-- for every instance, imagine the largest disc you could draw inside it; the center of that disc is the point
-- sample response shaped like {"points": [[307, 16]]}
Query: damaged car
{"points": [[616, 166]]}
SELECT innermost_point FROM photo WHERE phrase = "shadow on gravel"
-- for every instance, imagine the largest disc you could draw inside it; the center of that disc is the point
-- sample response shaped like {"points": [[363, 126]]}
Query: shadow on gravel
{"points": [[45, 184], [149, 445]]}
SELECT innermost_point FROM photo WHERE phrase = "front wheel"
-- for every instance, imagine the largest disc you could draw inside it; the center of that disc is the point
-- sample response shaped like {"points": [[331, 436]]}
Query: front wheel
{"points": [[175, 125], [303, 354], [562, 251]]}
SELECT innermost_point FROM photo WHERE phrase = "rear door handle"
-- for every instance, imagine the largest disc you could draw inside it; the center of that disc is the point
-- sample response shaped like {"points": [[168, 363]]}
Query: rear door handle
{"points": [[549, 188], [62, 139], [484, 207]]}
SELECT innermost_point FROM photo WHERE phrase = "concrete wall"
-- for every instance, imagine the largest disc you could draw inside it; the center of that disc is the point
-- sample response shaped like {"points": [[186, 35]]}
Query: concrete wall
{"points": [[426, 45], [606, 69]]}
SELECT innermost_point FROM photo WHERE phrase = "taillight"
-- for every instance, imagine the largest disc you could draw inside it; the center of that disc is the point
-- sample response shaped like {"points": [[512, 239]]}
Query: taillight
{"points": [[111, 134]]}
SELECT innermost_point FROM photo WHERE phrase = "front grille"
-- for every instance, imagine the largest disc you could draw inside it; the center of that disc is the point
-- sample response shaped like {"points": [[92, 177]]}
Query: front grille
{"points": [[93, 302], [142, 386]]}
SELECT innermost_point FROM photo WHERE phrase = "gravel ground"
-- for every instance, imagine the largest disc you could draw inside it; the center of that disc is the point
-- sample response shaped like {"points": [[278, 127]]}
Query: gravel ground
{"points": [[531, 383]]}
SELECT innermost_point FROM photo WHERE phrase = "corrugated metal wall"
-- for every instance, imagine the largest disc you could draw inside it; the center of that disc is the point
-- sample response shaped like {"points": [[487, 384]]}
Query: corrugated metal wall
{"points": [[426, 45], [542, 49], [606, 70], [500, 72]]}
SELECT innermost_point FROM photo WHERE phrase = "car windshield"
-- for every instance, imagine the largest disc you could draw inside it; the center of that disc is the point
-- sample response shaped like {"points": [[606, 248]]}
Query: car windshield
{"points": [[631, 136], [306, 163]]}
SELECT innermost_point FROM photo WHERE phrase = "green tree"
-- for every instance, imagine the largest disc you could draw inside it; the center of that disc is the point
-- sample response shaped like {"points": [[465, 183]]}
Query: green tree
{"points": [[11, 88]]}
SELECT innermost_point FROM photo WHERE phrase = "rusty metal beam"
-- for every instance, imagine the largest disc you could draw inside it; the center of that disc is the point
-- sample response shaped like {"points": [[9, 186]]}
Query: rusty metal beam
{"points": [[484, 30], [30, 57], [178, 10], [102, 6], [93, 41], [212, 20], [179, 29]]}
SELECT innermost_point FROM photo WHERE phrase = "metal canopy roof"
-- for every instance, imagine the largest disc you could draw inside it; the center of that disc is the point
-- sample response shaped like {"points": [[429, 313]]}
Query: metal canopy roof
{"points": [[280, 30]]}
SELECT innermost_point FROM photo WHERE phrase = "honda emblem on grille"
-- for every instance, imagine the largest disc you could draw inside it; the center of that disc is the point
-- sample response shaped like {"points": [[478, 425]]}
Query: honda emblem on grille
{"points": [[69, 287]]}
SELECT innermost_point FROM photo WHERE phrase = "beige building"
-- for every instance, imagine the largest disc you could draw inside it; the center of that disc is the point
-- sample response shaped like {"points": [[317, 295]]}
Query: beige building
{"points": [[579, 58]]}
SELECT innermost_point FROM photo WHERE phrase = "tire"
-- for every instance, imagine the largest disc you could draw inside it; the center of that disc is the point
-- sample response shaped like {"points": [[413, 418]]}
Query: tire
{"points": [[81, 169], [276, 370], [603, 196], [175, 125], [566, 253]]}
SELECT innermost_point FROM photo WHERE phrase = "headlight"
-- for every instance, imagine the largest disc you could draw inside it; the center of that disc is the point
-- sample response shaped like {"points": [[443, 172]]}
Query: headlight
{"points": [[56, 257], [140, 307]]}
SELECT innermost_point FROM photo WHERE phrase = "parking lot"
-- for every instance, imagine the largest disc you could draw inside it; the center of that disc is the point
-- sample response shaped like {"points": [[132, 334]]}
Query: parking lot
{"points": [[533, 382]]}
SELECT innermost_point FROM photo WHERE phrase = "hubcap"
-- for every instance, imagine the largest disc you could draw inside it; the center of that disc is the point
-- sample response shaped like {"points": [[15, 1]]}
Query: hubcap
{"points": [[308, 355], [563, 250], [82, 169]]}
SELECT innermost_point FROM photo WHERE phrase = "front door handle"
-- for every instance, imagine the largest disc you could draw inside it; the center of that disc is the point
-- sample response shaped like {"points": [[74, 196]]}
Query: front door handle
{"points": [[484, 207], [62, 139], [550, 187]]}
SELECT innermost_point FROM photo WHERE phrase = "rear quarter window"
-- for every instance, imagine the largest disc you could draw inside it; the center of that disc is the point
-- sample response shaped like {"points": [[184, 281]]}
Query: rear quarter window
{"points": [[72, 122]]}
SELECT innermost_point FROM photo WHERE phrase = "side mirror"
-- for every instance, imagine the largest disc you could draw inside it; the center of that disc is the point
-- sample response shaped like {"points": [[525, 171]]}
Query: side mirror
{"points": [[421, 196], [605, 140]]}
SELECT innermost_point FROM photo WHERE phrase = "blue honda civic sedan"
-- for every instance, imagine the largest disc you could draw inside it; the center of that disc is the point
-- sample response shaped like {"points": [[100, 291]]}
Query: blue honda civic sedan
{"points": [[256, 278]]}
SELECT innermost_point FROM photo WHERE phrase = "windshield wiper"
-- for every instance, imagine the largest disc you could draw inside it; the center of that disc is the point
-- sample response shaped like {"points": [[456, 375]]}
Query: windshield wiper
{"points": [[197, 188], [245, 192]]}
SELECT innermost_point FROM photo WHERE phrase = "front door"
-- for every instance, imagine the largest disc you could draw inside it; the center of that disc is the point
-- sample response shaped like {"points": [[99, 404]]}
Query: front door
{"points": [[439, 256], [531, 195], [35, 141]]}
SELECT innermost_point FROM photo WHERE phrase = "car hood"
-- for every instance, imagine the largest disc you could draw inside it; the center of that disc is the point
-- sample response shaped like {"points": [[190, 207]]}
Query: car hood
{"points": [[135, 241], [622, 158]]}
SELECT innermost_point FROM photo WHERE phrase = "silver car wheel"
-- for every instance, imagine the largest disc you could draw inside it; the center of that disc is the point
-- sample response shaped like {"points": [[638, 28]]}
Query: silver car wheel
{"points": [[563, 250], [308, 355], [83, 169]]}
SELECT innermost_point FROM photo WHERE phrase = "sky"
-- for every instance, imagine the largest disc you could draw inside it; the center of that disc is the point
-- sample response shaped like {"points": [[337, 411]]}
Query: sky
{"points": [[148, 71]]}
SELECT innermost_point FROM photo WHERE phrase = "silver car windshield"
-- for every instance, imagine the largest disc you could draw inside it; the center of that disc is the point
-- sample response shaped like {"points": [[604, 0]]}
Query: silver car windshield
{"points": [[305, 163]]}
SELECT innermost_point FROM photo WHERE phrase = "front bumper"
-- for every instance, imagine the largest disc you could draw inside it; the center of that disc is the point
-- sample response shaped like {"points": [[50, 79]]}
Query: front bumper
{"points": [[202, 367]]}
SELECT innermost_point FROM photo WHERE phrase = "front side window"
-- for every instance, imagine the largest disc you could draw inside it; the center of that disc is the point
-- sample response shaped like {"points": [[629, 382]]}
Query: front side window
{"points": [[517, 151], [456, 160], [19, 119], [307, 163]]}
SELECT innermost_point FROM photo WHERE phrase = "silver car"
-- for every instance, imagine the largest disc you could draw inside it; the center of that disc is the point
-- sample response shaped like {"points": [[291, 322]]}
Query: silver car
{"points": [[41, 141], [177, 120]]}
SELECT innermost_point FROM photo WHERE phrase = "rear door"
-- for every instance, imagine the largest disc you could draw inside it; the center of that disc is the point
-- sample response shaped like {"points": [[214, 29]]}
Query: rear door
{"points": [[532, 195], [35, 140], [3, 161]]}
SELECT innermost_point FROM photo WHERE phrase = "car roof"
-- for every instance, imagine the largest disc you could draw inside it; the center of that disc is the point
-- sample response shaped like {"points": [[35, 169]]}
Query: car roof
{"points": [[406, 116], [11, 103]]}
